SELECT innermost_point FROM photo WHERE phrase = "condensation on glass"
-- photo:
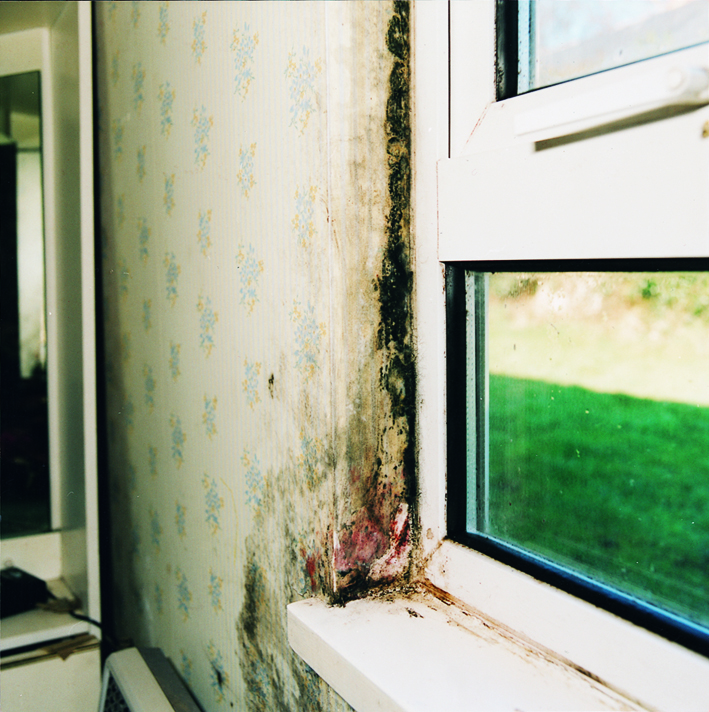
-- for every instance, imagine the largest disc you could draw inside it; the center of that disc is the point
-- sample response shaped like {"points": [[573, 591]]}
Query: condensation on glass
{"points": [[561, 40], [597, 419], [24, 438]]}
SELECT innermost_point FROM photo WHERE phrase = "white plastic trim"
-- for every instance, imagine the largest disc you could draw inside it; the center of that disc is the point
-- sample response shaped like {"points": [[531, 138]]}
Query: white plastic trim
{"points": [[662, 87], [644, 666], [416, 654]]}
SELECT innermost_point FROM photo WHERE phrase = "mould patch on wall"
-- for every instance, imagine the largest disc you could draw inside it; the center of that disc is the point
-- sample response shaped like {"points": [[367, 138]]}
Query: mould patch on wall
{"points": [[373, 542], [285, 561]]}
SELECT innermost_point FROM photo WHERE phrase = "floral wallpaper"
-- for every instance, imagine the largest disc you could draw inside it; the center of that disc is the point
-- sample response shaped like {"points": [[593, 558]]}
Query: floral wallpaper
{"points": [[253, 166]]}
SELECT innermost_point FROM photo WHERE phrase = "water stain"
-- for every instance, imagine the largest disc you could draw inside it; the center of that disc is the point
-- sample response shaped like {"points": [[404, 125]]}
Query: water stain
{"points": [[340, 517]]}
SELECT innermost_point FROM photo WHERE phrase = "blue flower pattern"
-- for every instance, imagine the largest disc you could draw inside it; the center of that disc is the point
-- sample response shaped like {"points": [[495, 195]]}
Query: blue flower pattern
{"points": [[204, 219], [149, 388], [178, 440], [166, 96], [213, 503], [171, 275], [202, 125], [153, 461], [218, 677], [117, 131], [209, 416], [184, 595], [147, 323], [304, 218], [141, 170], [243, 45], [245, 174], [135, 13], [163, 25], [138, 75], [143, 238], [168, 197], [254, 479], [215, 590], [308, 334], [186, 666], [115, 74], [155, 530], [207, 323], [250, 383], [180, 513], [199, 45], [249, 270], [302, 75], [174, 361], [308, 460]]}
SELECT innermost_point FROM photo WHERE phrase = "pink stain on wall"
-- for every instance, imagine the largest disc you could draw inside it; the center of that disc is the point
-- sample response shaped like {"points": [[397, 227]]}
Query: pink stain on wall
{"points": [[364, 548], [359, 543]]}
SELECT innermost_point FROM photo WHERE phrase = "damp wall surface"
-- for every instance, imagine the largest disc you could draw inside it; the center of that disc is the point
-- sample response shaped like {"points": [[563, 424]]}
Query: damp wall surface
{"points": [[255, 256]]}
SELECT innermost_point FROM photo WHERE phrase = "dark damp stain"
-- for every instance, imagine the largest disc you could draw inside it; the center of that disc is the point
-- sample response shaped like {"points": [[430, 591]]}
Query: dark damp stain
{"points": [[264, 687], [271, 381], [217, 674], [395, 284], [376, 527], [268, 665]]}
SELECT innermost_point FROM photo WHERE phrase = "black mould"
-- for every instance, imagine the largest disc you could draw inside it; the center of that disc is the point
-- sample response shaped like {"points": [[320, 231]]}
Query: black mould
{"points": [[388, 519], [394, 286]]}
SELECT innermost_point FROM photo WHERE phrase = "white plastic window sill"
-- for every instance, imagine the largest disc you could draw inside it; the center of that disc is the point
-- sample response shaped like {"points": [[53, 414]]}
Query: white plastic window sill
{"points": [[416, 652], [413, 653]]}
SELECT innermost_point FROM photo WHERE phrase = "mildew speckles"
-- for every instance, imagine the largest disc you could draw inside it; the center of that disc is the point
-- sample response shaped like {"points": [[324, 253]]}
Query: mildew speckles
{"points": [[337, 513], [374, 539], [285, 560]]}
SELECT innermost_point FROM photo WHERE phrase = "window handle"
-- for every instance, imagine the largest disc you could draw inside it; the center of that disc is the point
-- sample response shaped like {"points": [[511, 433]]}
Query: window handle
{"points": [[673, 86]]}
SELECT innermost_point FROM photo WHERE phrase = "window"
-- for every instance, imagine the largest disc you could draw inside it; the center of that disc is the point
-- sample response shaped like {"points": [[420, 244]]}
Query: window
{"points": [[595, 174], [544, 42], [586, 425]]}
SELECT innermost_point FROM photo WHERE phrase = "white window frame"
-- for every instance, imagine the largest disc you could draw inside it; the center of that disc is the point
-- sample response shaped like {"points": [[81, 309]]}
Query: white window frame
{"points": [[504, 197], [642, 665]]}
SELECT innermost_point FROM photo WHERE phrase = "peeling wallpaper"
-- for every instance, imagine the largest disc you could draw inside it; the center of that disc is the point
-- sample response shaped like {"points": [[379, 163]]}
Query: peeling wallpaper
{"points": [[254, 205]]}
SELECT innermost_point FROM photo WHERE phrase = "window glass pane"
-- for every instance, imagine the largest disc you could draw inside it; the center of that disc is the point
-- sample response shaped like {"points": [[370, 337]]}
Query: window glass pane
{"points": [[566, 39], [599, 427]]}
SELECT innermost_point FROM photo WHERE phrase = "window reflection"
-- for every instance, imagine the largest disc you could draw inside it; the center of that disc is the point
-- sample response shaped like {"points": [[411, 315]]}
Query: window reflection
{"points": [[23, 382]]}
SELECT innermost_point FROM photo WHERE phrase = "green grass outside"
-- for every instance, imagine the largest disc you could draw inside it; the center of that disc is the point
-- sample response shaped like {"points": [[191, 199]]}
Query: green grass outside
{"points": [[615, 485]]}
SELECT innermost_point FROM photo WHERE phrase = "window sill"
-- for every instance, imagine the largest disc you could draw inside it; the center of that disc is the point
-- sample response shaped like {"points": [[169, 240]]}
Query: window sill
{"points": [[415, 651], [643, 665]]}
